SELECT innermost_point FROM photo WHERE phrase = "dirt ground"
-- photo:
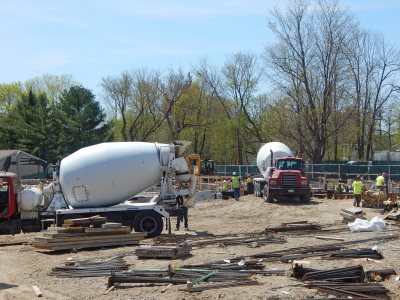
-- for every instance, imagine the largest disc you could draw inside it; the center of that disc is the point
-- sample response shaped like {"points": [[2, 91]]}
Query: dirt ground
{"points": [[21, 266]]}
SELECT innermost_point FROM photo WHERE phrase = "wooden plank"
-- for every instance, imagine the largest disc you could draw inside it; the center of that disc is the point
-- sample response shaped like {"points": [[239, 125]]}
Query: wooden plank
{"points": [[88, 239], [109, 290], [94, 218], [65, 230], [352, 211], [111, 225], [98, 231], [164, 251], [166, 288], [37, 291], [85, 246], [360, 216], [321, 237], [101, 230]]}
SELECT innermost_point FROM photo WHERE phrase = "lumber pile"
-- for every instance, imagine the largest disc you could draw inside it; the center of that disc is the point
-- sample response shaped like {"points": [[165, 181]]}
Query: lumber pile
{"points": [[294, 226], [351, 214], [82, 233], [164, 251], [373, 199]]}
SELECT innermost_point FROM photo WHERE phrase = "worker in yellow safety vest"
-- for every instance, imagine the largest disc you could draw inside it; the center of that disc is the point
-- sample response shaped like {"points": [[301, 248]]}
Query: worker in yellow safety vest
{"points": [[380, 181], [235, 186], [357, 191], [225, 185]]}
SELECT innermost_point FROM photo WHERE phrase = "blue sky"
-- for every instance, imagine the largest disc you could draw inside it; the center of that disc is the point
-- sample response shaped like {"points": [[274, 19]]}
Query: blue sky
{"points": [[91, 39]]}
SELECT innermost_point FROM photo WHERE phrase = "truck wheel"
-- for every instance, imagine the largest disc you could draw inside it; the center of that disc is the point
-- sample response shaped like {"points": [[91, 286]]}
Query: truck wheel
{"points": [[267, 195], [305, 198], [149, 222]]}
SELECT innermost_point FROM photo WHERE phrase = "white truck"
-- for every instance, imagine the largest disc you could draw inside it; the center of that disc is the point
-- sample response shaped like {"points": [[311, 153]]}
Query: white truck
{"points": [[99, 180], [283, 174]]}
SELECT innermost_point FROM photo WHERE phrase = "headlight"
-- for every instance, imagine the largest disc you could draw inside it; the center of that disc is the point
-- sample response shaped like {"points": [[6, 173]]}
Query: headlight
{"points": [[304, 182], [272, 182]]}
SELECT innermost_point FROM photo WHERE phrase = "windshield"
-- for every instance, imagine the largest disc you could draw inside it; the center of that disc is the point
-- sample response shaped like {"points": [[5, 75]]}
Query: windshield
{"points": [[290, 165]]}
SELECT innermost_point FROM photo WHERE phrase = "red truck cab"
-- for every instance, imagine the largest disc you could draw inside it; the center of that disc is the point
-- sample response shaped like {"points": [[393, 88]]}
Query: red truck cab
{"points": [[287, 179], [8, 201]]}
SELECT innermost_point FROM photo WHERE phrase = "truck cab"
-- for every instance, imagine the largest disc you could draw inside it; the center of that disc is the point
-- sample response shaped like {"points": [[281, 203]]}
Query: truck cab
{"points": [[287, 179], [9, 221]]}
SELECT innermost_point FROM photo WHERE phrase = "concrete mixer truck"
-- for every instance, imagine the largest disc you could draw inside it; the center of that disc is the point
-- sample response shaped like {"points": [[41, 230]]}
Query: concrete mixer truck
{"points": [[98, 180], [283, 174]]}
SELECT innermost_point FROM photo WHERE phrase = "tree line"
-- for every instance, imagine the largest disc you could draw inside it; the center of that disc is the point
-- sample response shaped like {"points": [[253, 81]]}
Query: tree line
{"points": [[325, 87]]}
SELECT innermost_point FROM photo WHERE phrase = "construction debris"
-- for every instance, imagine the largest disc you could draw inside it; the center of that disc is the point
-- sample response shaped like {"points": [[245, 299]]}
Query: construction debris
{"points": [[37, 291], [74, 236], [164, 251], [373, 199], [351, 214], [379, 275], [393, 216], [294, 226]]}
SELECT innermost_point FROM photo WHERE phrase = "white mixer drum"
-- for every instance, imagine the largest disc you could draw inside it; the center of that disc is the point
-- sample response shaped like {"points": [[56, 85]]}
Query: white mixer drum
{"points": [[264, 155], [110, 173]]}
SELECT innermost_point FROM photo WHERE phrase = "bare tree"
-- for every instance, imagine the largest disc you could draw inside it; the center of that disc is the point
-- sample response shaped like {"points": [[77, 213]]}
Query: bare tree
{"points": [[307, 66], [235, 86], [118, 93], [159, 95], [375, 69]]}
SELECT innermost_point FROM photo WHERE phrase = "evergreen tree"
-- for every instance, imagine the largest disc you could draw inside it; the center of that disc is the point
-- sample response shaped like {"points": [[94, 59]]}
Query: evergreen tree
{"points": [[84, 121], [30, 127]]}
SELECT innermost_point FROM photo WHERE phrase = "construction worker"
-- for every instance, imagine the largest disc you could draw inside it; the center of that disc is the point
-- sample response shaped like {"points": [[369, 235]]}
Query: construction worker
{"points": [[182, 213], [235, 186], [357, 191], [380, 182], [224, 185]]}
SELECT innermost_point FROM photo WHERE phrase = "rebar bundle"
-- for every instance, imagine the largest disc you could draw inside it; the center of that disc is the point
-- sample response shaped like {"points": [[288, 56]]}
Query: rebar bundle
{"points": [[90, 268], [358, 253], [356, 291]]}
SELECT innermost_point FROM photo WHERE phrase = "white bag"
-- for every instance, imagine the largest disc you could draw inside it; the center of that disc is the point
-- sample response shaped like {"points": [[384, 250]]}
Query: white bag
{"points": [[376, 224]]}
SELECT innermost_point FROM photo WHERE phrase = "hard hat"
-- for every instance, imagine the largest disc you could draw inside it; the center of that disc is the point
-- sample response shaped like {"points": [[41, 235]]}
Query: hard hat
{"points": [[384, 174], [234, 173]]}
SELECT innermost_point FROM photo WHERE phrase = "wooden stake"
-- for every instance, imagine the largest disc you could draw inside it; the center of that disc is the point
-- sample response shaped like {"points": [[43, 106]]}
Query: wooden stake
{"points": [[323, 237], [166, 288], [109, 290], [37, 291]]}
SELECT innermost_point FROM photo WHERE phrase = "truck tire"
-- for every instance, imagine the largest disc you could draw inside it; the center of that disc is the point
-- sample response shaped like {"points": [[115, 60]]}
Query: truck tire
{"points": [[148, 221], [305, 198], [267, 195]]}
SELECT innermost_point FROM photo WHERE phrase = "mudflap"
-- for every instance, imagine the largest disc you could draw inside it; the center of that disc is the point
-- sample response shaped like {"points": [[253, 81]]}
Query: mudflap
{"points": [[10, 227]]}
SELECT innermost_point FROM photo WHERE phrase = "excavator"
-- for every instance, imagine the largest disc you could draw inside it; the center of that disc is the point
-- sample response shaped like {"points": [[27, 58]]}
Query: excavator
{"points": [[200, 166]]}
